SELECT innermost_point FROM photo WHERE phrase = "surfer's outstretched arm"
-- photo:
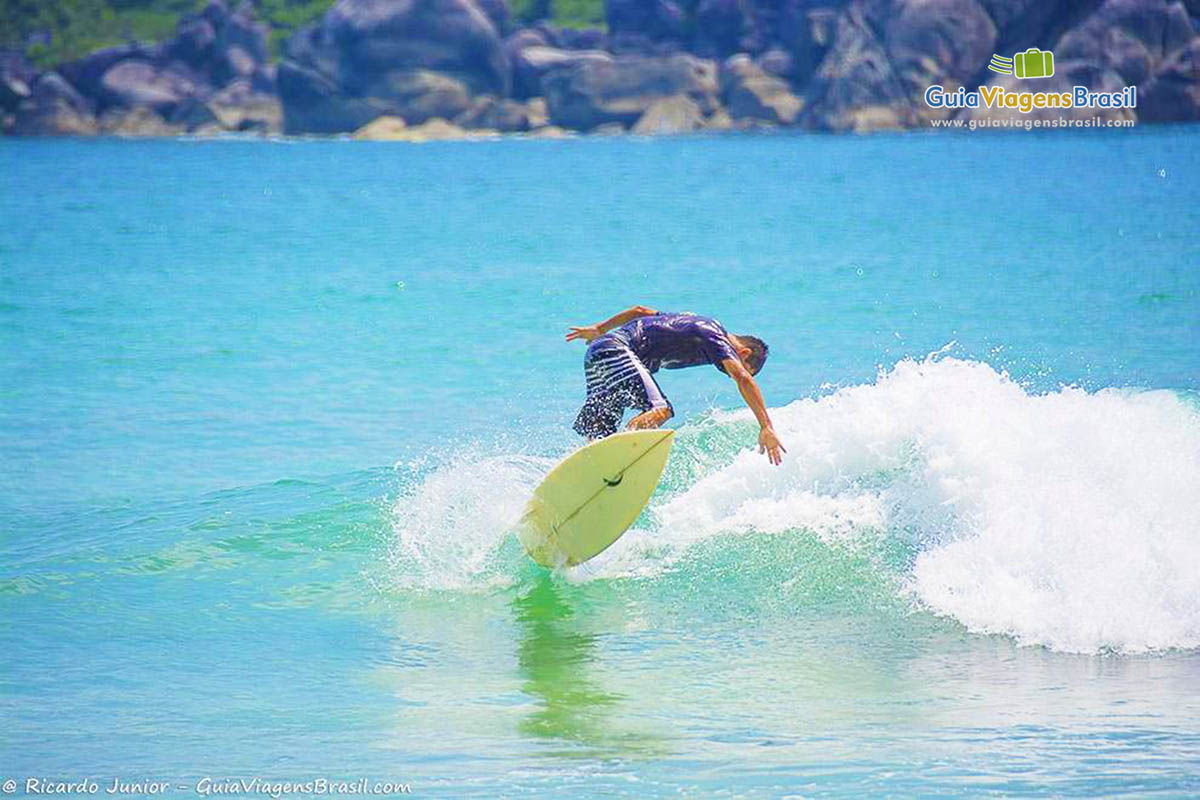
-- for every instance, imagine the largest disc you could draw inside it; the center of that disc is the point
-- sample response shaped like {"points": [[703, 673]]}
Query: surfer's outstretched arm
{"points": [[768, 442], [589, 332]]}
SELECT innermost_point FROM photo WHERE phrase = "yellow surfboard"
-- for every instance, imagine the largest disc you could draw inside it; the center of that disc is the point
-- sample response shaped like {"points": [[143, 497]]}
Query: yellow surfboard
{"points": [[592, 496]]}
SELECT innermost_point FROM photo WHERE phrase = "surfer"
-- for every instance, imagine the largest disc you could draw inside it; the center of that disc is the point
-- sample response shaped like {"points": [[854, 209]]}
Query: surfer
{"points": [[625, 350]]}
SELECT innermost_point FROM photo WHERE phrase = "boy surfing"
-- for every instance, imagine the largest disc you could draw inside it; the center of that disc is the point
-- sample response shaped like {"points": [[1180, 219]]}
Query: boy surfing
{"points": [[625, 350]]}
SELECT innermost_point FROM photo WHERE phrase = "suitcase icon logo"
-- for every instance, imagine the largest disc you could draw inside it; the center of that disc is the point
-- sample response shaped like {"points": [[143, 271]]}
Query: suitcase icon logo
{"points": [[1033, 63]]}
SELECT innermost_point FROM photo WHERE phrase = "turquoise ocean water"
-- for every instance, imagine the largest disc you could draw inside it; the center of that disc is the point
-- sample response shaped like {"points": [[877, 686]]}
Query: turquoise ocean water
{"points": [[269, 409]]}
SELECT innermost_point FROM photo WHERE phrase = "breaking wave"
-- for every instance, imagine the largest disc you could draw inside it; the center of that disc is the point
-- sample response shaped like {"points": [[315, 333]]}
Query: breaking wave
{"points": [[1068, 519]]}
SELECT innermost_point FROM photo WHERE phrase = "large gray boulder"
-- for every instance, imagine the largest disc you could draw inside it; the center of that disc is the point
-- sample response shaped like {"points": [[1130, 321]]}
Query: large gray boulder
{"points": [[586, 95], [1174, 93], [807, 34], [941, 42], [419, 95], [748, 92], [532, 64], [53, 108], [313, 103], [1132, 37], [194, 114], [504, 115], [219, 45], [856, 87], [670, 116], [364, 39], [86, 73], [133, 83], [412, 59], [241, 107]]}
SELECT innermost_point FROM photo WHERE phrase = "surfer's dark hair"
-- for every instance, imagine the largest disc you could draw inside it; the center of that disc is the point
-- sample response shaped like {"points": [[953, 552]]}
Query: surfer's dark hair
{"points": [[758, 351]]}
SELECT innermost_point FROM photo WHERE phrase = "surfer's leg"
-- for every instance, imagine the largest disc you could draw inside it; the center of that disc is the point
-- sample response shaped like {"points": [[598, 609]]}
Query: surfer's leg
{"points": [[595, 420], [647, 397], [612, 376], [599, 417]]}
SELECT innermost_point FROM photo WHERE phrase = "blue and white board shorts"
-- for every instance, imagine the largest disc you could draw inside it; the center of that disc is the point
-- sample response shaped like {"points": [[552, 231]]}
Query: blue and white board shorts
{"points": [[616, 380]]}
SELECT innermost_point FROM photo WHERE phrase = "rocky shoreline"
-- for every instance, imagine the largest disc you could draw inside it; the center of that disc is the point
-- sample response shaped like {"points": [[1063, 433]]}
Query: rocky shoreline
{"points": [[421, 70]]}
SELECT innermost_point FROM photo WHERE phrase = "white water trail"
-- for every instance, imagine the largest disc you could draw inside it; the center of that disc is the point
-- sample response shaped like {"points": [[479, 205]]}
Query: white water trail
{"points": [[449, 527]]}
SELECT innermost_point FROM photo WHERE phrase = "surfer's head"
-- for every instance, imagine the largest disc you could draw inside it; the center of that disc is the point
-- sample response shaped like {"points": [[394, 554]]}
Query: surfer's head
{"points": [[752, 350]]}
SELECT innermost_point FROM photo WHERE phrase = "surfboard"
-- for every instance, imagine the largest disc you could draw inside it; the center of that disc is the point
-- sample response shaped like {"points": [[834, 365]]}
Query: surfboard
{"points": [[588, 500]]}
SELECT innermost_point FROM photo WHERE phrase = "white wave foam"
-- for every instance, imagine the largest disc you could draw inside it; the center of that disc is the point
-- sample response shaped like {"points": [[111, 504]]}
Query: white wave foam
{"points": [[1069, 519], [450, 526]]}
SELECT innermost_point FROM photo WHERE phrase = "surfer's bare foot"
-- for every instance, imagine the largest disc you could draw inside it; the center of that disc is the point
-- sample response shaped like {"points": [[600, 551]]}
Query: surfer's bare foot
{"points": [[653, 418]]}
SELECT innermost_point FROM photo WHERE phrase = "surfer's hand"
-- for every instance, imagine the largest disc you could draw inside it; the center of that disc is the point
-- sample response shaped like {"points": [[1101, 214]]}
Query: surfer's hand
{"points": [[769, 443], [585, 332]]}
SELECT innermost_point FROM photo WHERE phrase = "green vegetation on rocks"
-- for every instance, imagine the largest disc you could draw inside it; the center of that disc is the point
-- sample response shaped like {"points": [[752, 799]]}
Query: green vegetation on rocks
{"points": [[287, 16], [52, 31], [49, 32], [563, 13]]}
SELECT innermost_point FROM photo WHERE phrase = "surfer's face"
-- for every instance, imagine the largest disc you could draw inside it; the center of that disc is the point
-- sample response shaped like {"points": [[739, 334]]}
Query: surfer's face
{"points": [[744, 354]]}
